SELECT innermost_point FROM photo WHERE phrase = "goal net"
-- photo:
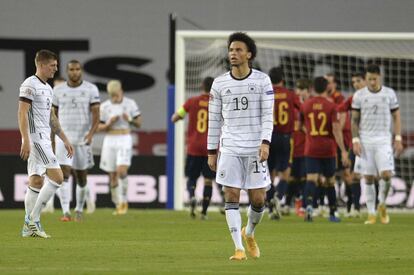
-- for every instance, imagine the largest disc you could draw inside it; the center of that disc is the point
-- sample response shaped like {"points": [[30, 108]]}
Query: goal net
{"points": [[301, 55]]}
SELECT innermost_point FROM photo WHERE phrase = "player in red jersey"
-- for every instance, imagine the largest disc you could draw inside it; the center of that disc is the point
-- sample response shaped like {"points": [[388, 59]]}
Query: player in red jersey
{"points": [[333, 92], [286, 101], [322, 130], [353, 187], [196, 162], [298, 169]]}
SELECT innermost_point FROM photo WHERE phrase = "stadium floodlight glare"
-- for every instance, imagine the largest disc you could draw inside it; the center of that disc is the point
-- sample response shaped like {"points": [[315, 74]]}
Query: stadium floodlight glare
{"points": [[301, 55]]}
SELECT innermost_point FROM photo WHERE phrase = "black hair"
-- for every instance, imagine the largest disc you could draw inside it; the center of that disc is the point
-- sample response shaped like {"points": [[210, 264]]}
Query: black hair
{"points": [[320, 84], [276, 75], [206, 84], [303, 83], [243, 37], [361, 75], [373, 69], [73, 61], [333, 77]]}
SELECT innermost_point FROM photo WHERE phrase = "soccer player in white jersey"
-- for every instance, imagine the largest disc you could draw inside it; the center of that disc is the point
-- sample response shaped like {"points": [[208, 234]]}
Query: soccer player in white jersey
{"points": [[36, 122], [241, 124], [375, 109], [117, 115], [76, 104]]}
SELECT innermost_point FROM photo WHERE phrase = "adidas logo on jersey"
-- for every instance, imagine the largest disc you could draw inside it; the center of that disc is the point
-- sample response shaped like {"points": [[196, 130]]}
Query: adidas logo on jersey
{"points": [[228, 92]]}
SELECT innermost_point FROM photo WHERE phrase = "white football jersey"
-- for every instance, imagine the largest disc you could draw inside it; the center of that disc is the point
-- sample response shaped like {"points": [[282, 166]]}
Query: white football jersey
{"points": [[375, 114], [74, 111], [109, 110], [240, 113], [40, 94]]}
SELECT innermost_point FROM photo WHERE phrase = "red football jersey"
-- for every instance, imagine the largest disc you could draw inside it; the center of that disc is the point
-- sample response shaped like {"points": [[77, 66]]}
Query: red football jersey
{"points": [[337, 97], [346, 107], [318, 114], [197, 109], [299, 138], [286, 101]]}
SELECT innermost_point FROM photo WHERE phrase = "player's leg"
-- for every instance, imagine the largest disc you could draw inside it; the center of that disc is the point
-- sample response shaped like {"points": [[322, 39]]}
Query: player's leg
{"points": [[312, 173], [208, 186], [123, 162], [257, 179], [369, 170], [356, 182], [122, 175], [108, 164], [271, 161], [81, 193], [282, 164], [193, 169], [64, 193], [230, 174], [385, 162], [328, 171], [30, 198]]}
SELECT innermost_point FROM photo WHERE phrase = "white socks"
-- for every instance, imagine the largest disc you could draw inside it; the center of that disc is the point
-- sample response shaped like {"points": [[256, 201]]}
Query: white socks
{"points": [[384, 186], [123, 183], [64, 196], [81, 193], [370, 193], [48, 190], [30, 199], [254, 217], [115, 195], [233, 219]]}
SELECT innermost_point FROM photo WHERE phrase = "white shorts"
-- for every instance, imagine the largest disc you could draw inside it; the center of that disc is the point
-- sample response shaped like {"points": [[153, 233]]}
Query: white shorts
{"points": [[357, 165], [82, 156], [376, 159], [41, 157], [116, 151], [242, 172]]}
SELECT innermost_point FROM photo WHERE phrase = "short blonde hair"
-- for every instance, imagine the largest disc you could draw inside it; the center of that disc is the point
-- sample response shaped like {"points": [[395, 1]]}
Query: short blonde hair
{"points": [[113, 86]]}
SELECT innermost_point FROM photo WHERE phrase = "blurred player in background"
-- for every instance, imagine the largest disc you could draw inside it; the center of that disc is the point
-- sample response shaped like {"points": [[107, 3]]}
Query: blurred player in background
{"points": [[76, 104], [353, 185], [196, 164], [322, 130], [285, 104], [36, 124], [241, 123], [375, 109], [298, 168], [117, 115]]}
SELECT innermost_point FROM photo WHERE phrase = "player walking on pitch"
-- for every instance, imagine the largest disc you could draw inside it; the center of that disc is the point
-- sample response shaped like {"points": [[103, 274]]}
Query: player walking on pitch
{"points": [[241, 124]]}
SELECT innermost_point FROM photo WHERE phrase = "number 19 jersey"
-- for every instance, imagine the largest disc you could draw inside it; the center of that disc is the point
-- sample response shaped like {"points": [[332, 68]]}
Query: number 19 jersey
{"points": [[240, 113], [197, 109]]}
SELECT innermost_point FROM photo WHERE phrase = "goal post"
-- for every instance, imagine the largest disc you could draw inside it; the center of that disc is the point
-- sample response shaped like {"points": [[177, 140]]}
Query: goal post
{"points": [[301, 55]]}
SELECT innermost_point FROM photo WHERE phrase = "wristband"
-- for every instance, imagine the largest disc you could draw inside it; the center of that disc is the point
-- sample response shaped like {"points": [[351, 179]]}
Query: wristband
{"points": [[398, 138], [356, 140]]}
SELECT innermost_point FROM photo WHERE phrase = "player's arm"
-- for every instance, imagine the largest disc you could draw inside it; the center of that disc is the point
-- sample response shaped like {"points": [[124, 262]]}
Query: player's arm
{"points": [[355, 120], [22, 114], [214, 126], [55, 110], [337, 132], [57, 129], [396, 119], [180, 114], [136, 121], [267, 105], [94, 108]]}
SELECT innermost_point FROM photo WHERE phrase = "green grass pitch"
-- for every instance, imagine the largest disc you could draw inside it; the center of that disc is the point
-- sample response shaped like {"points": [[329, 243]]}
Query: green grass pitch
{"points": [[168, 242]]}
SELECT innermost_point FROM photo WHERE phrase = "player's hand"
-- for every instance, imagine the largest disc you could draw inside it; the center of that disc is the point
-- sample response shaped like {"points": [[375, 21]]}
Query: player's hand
{"points": [[263, 152], [356, 147], [113, 119], [345, 159], [126, 117], [69, 149], [398, 148], [88, 139], [212, 162], [25, 150]]}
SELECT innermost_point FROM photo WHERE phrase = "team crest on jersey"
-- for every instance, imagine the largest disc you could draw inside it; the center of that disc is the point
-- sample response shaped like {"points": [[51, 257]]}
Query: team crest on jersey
{"points": [[252, 88], [222, 174]]}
